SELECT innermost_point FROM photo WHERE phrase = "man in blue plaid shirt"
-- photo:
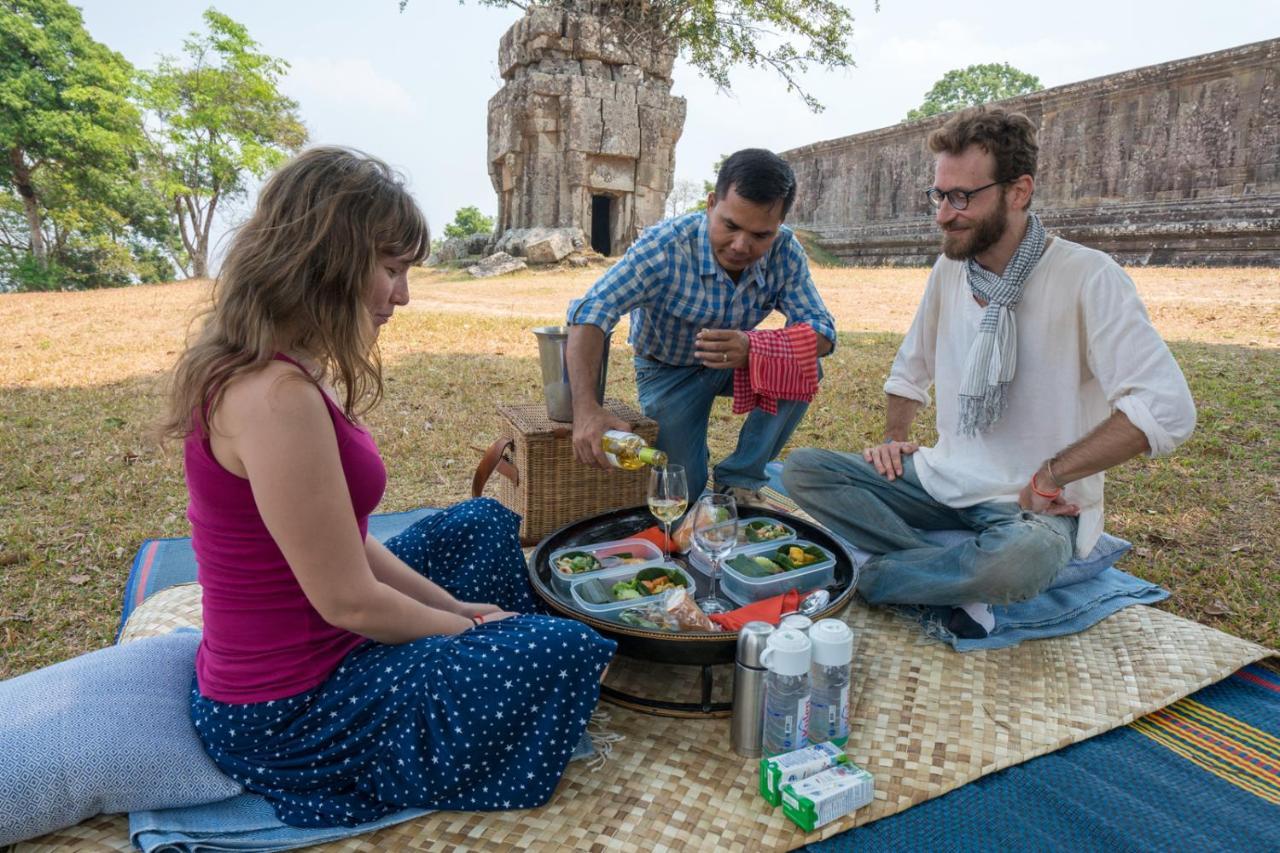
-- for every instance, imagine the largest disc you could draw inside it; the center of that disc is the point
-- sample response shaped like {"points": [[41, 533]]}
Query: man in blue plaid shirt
{"points": [[693, 285]]}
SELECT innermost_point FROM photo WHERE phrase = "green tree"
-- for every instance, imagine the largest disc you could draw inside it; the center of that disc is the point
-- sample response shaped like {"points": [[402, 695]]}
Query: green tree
{"points": [[68, 135], [215, 120], [977, 84], [785, 36], [468, 221], [708, 187]]}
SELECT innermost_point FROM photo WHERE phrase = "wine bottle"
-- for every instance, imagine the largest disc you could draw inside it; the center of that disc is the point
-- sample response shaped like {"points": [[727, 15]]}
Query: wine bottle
{"points": [[630, 452]]}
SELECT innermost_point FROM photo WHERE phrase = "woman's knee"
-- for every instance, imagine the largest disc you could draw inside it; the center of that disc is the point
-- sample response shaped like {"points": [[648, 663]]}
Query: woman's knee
{"points": [[480, 514]]}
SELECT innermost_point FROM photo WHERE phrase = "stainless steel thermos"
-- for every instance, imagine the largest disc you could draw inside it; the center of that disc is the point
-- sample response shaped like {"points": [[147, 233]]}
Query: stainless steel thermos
{"points": [[747, 727]]}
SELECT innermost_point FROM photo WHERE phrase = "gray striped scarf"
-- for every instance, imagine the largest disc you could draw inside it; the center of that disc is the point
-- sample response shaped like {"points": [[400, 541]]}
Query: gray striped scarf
{"points": [[992, 359]]}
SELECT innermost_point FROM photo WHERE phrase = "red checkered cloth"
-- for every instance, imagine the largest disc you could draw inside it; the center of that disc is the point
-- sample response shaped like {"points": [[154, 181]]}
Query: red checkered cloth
{"points": [[782, 365]]}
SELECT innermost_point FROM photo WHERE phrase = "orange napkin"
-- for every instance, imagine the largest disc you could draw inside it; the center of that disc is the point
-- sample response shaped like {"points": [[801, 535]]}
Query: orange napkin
{"points": [[767, 610], [657, 537]]}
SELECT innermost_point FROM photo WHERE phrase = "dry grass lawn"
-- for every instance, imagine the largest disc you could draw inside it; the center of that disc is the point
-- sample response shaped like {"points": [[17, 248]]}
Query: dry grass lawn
{"points": [[83, 483]]}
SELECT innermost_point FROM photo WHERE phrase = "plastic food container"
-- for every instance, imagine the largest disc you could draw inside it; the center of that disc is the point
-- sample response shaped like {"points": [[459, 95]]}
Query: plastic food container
{"points": [[747, 528], [745, 590], [700, 561], [592, 595], [618, 553]]}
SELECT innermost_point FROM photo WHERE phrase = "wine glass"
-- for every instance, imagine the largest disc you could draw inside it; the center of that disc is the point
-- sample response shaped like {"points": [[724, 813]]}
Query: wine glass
{"points": [[668, 498], [715, 531]]}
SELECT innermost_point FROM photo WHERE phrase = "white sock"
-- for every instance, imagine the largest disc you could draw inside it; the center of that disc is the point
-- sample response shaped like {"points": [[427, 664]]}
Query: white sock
{"points": [[982, 614]]}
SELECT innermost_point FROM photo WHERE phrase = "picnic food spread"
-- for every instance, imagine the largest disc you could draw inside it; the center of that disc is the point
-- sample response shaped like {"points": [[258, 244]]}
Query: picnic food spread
{"points": [[595, 578]]}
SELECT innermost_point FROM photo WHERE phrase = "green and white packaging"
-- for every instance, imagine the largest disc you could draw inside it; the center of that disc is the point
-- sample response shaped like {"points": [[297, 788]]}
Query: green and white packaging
{"points": [[796, 765], [820, 799]]}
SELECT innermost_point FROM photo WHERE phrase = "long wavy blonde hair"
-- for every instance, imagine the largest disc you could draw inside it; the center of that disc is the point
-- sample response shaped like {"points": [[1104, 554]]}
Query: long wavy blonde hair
{"points": [[296, 275]]}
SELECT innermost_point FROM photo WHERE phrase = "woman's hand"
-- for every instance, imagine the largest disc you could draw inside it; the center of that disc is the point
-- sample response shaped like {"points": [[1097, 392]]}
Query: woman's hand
{"points": [[471, 609], [493, 616]]}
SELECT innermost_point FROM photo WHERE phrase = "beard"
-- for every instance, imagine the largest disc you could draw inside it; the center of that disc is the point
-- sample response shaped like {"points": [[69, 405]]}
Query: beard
{"points": [[980, 235]]}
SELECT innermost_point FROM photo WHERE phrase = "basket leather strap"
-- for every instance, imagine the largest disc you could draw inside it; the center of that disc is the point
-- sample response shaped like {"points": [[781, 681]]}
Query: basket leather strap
{"points": [[494, 460]]}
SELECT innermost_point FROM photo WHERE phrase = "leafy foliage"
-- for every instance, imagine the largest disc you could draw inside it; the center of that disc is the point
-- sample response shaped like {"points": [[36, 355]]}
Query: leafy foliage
{"points": [[715, 36], [975, 85], [216, 119], [71, 213], [468, 221], [708, 187]]}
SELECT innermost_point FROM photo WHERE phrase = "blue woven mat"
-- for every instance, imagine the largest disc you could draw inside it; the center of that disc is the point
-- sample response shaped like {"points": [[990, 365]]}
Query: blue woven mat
{"points": [[1202, 774]]}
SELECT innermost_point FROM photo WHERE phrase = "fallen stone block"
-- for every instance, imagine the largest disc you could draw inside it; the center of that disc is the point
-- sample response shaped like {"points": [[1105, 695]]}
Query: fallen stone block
{"points": [[499, 263]]}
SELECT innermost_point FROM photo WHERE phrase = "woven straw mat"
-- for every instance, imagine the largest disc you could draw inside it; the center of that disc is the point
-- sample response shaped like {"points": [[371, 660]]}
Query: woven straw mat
{"points": [[925, 720]]}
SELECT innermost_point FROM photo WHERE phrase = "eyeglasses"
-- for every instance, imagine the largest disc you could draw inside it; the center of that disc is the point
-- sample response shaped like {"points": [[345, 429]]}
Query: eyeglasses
{"points": [[959, 198]]}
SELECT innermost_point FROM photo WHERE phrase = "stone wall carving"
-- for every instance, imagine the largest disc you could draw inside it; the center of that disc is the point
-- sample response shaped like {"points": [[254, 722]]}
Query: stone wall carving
{"points": [[1177, 163], [584, 127]]}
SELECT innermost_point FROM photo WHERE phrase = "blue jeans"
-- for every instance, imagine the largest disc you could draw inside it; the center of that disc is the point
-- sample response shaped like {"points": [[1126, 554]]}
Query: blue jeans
{"points": [[680, 398], [1015, 555]]}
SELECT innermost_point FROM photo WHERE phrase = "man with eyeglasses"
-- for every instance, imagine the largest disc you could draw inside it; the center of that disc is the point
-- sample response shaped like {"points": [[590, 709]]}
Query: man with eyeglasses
{"points": [[1046, 372]]}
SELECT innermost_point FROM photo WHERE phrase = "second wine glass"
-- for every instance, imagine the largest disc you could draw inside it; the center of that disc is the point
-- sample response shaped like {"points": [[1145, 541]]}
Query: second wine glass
{"points": [[715, 531], [668, 498]]}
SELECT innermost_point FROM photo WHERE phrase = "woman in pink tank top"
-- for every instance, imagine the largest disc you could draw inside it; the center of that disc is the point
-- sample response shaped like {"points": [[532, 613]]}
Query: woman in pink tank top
{"points": [[340, 677]]}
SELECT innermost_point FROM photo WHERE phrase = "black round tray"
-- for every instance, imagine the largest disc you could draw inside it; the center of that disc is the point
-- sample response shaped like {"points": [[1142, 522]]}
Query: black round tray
{"points": [[690, 648]]}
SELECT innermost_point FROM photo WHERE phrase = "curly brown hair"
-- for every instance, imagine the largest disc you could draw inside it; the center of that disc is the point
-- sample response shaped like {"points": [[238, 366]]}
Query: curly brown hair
{"points": [[296, 275], [1008, 137]]}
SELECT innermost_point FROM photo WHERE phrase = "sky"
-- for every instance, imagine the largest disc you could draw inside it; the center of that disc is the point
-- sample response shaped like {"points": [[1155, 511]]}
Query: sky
{"points": [[413, 87]]}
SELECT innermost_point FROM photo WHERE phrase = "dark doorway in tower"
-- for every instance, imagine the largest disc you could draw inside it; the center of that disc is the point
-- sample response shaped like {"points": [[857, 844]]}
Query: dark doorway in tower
{"points": [[601, 216]]}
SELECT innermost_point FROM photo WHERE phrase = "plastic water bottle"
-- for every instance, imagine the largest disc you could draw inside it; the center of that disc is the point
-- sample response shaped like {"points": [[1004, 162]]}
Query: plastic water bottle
{"points": [[832, 652], [786, 692]]}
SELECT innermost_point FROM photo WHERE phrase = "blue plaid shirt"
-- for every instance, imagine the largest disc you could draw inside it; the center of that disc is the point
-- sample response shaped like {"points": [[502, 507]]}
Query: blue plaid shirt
{"points": [[670, 282]]}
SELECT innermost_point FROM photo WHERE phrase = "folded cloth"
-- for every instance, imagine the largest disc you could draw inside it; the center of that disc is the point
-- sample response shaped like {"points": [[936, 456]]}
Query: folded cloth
{"points": [[1086, 591], [656, 536], [766, 610], [782, 365], [1055, 612], [248, 822]]}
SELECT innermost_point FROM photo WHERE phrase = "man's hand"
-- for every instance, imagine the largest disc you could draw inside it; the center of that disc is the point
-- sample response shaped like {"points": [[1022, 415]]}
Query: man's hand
{"points": [[725, 349], [588, 428], [1029, 500], [887, 457]]}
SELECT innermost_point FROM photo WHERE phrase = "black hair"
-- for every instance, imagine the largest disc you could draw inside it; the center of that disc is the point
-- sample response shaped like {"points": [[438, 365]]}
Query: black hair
{"points": [[759, 176]]}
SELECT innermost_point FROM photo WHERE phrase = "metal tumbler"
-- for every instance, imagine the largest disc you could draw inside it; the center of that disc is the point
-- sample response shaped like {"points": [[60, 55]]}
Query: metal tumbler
{"points": [[747, 726]]}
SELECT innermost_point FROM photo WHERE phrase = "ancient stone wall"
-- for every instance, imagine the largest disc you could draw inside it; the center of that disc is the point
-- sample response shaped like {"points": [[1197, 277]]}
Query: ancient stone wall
{"points": [[1177, 163], [585, 123]]}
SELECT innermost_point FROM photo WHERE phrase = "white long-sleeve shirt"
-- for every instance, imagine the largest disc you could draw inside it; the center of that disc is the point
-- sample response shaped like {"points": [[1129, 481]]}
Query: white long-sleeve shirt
{"points": [[1085, 348]]}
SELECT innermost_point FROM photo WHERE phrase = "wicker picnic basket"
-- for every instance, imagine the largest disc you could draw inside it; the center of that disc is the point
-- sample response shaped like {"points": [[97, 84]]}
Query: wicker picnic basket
{"points": [[542, 481]]}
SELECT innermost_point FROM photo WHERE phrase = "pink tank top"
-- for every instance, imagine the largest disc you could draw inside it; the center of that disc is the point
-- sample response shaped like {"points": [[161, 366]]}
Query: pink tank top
{"points": [[263, 639]]}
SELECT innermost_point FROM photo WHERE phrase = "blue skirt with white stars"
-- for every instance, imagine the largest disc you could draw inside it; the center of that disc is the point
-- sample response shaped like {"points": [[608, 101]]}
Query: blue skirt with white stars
{"points": [[480, 721]]}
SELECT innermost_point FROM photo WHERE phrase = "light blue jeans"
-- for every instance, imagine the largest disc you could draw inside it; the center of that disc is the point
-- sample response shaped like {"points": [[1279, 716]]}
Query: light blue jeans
{"points": [[1015, 555], [680, 398]]}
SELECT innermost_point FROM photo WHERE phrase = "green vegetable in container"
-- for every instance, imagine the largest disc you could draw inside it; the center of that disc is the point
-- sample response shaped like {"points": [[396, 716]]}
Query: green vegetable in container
{"points": [[625, 591], [576, 562], [765, 531]]}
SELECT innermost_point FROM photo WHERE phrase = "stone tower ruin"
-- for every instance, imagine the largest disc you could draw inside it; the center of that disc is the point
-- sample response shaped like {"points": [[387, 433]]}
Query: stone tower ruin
{"points": [[582, 133]]}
